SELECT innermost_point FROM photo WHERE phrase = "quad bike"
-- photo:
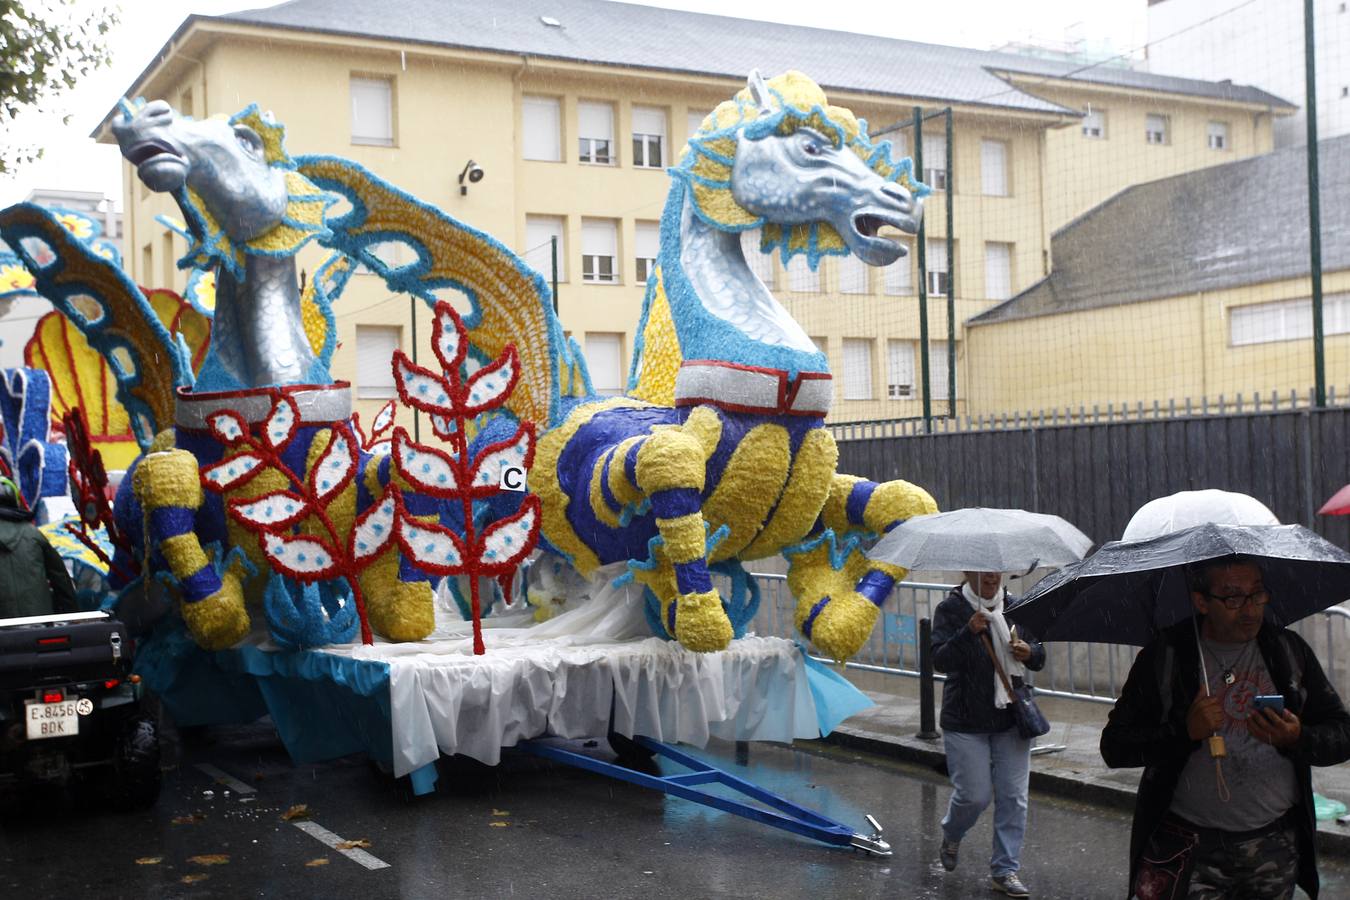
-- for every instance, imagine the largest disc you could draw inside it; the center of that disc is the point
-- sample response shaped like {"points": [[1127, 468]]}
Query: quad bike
{"points": [[71, 710]]}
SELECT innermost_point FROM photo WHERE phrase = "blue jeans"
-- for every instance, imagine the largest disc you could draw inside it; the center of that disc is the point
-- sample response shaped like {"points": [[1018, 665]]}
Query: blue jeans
{"points": [[984, 767]]}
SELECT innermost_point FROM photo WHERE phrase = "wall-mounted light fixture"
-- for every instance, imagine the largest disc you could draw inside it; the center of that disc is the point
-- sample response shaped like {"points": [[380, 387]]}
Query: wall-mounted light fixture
{"points": [[473, 172]]}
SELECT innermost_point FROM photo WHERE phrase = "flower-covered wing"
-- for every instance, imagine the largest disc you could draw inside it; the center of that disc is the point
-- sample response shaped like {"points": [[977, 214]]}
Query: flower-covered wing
{"points": [[336, 466], [281, 423], [427, 469], [384, 420], [228, 426], [273, 510], [431, 548], [232, 472], [301, 557], [515, 451], [489, 387], [375, 526], [508, 541]]}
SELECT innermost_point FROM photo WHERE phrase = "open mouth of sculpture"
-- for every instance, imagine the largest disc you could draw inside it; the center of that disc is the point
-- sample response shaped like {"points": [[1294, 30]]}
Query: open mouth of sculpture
{"points": [[869, 225], [150, 151]]}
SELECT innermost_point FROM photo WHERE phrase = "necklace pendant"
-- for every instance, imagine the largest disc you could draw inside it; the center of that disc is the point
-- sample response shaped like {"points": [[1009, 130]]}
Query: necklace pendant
{"points": [[1229, 677]]}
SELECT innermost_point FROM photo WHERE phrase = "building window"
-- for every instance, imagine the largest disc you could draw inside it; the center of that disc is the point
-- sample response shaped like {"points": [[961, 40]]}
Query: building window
{"points": [[147, 262], [372, 111], [542, 131], [997, 270], [938, 277], [1094, 124], [1217, 134], [375, 346], [994, 168], [899, 144], [939, 381], [899, 369], [935, 162], [168, 264], [823, 345], [604, 359], [1155, 129], [539, 234], [599, 251], [760, 263], [898, 278], [647, 241], [801, 277], [391, 253], [185, 103], [1286, 320], [649, 137], [595, 132], [857, 369], [853, 276], [693, 122]]}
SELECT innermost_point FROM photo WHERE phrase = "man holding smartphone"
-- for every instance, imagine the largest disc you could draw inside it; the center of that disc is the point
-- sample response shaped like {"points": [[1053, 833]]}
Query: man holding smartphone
{"points": [[1219, 817]]}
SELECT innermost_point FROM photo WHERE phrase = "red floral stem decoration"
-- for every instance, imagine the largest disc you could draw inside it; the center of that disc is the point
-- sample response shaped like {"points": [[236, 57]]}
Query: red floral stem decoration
{"points": [[89, 490], [453, 402]]}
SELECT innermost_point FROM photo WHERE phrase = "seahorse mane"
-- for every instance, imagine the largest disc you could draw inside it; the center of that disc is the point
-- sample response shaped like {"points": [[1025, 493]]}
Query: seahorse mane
{"points": [[796, 102]]}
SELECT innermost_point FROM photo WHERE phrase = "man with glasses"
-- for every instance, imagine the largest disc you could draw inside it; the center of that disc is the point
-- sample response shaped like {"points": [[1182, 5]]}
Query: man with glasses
{"points": [[1230, 817]]}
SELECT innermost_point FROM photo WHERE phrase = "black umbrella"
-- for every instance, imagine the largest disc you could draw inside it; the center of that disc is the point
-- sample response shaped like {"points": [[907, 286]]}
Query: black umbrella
{"points": [[1129, 590]]}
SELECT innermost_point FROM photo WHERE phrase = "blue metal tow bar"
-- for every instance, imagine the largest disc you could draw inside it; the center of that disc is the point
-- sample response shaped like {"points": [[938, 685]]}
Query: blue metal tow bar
{"points": [[784, 813]]}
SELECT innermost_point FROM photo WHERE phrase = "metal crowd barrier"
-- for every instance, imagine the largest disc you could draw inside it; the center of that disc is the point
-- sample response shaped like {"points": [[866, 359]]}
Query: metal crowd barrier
{"points": [[1077, 671]]}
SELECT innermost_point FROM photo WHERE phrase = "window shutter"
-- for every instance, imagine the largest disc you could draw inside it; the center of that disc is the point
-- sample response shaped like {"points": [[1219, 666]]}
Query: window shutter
{"points": [[372, 113], [694, 121], [898, 277], [852, 275], [595, 121], [604, 354], [542, 132], [937, 370], [538, 250], [647, 240], [598, 238], [375, 346], [857, 369], [994, 168], [800, 276], [997, 270], [649, 120], [899, 369]]}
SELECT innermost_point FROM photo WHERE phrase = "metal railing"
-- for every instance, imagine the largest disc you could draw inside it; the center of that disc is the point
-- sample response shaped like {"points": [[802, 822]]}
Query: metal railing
{"points": [[1076, 671]]}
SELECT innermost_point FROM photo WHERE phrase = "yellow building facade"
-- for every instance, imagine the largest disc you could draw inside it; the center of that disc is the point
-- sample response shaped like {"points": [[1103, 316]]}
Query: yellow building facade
{"points": [[1017, 176]]}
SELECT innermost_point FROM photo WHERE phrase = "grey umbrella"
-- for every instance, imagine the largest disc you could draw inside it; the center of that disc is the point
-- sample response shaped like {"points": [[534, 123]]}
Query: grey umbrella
{"points": [[982, 540]]}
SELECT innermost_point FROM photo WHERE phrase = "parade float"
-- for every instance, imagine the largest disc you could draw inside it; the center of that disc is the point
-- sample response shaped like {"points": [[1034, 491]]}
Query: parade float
{"points": [[287, 562]]}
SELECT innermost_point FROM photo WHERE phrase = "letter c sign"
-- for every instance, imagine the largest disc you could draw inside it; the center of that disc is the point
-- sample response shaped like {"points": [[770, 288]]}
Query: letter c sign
{"points": [[513, 479]]}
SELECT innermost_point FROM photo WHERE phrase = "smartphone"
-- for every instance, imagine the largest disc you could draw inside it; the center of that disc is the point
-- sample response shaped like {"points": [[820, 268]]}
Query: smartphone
{"points": [[1269, 701]]}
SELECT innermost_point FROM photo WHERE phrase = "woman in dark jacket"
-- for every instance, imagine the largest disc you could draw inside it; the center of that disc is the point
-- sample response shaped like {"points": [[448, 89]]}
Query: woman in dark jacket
{"points": [[986, 757]]}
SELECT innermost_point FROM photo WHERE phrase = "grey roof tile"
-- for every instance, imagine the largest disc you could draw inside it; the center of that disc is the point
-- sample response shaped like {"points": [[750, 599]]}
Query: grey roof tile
{"points": [[623, 34], [1241, 223]]}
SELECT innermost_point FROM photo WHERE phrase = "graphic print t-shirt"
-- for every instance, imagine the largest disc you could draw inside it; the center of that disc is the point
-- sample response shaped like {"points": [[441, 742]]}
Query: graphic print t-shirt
{"points": [[1260, 780]]}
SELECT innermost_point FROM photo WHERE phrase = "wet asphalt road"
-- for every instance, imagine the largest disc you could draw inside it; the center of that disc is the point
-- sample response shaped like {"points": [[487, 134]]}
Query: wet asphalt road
{"points": [[530, 828]]}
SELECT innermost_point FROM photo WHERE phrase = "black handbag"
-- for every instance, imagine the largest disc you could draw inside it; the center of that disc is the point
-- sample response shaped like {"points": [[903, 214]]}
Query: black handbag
{"points": [[1031, 722]]}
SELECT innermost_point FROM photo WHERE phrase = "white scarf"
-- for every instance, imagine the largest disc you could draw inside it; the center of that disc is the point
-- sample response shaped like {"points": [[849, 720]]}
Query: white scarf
{"points": [[1000, 637]]}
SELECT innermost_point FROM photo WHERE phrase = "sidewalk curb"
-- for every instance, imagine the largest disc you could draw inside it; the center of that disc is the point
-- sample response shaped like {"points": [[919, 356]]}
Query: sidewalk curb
{"points": [[1332, 839]]}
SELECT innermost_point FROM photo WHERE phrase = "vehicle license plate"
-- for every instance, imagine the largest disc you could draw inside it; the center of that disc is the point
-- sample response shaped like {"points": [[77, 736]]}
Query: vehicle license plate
{"points": [[52, 720]]}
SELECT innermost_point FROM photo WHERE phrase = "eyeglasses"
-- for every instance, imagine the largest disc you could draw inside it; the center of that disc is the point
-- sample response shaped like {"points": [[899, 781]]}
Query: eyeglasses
{"points": [[1235, 602]]}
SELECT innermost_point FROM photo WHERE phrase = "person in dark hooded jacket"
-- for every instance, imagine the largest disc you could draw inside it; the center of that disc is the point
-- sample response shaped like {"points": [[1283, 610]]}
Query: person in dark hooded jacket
{"points": [[33, 579]]}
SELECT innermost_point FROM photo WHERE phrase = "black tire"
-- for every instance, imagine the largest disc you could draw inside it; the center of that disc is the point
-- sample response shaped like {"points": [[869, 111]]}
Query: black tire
{"points": [[135, 780], [629, 751]]}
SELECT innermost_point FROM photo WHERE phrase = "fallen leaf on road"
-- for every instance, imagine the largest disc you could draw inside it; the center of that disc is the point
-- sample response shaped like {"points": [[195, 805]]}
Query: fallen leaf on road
{"points": [[210, 859], [498, 824], [299, 811], [352, 845], [194, 878], [192, 819], [321, 861], [500, 812], [149, 860]]}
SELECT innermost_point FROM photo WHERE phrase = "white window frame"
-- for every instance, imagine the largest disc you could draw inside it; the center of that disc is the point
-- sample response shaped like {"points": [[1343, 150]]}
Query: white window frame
{"points": [[1286, 320], [901, 377], [604, 361], [938, 267], [646, 246], [596, 149], [994, 174], [541, 128], [367, 88], [935, 161], [998, 274], [858, 368], [1216, 136], [1156, 129], [600, 251], [1094, 124], [538, 252], [375, 346], [649, 137], [855, 276]]}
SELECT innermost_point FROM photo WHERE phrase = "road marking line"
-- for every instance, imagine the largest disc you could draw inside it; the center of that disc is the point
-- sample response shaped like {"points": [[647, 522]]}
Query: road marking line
{"points": [[355, 854], [221, 777]]}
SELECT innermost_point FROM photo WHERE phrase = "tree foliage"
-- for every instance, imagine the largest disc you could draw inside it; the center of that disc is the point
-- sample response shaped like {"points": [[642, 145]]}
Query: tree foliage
{"points": [[46, 48]]}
